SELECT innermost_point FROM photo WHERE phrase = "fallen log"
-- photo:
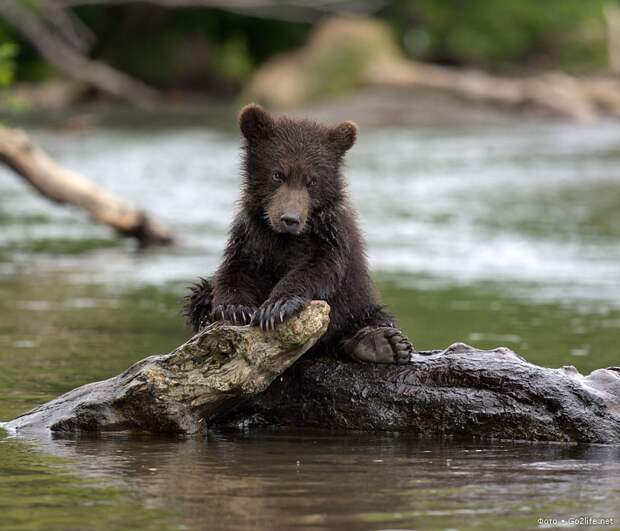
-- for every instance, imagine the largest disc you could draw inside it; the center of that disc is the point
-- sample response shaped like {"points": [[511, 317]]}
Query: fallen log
{"points": [[61, 185], [180, 392], [460, 392], [222, 377]]}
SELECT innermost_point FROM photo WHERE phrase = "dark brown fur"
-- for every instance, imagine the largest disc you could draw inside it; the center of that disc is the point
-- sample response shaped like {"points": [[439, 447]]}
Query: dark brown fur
{"points": [[295, 238]]}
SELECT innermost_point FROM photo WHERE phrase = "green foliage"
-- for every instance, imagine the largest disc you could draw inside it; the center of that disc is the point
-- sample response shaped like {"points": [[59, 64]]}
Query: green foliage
{"points": [[195, 48], [565, 34], [23, 62], [8, 51], [232, 59]]}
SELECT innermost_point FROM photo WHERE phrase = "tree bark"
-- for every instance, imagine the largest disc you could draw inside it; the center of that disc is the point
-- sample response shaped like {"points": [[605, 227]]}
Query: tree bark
{"points": [[460, 392], [222, 376], [64, 186]]}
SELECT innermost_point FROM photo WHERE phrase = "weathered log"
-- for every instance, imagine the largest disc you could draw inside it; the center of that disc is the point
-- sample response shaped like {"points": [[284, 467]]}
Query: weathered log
{"points": [[182, 391], [65, 186], [222, 376], [460, 392]]}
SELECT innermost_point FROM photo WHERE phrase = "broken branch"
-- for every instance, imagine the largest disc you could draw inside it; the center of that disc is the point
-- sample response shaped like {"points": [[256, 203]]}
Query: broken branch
{"points": [[65, 186]]}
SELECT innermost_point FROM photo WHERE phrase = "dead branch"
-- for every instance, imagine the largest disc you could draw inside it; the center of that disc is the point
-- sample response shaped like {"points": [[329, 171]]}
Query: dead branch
{"points": [[71, 60], [65, 186], [69, 27]]}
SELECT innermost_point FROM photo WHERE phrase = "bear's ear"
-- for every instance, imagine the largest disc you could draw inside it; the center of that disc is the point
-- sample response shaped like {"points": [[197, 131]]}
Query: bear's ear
{"points": [[343, 136], [255, 123]]}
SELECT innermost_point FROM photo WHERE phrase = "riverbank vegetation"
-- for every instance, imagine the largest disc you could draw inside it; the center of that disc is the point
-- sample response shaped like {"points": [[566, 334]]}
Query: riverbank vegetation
{"points": [[140, 51]]}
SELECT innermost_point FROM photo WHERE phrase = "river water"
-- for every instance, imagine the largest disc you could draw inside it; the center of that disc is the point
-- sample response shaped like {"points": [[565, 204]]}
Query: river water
{"points": [[493, 235]]}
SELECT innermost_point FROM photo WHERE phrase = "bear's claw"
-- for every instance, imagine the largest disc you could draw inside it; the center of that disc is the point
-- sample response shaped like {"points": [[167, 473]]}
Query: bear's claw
{"points": [[380, 345], [236, 314], [274, 312]]}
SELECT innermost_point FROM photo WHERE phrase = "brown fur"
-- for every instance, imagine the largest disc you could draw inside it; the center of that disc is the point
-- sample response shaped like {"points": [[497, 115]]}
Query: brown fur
{"points": [[296, 238]]}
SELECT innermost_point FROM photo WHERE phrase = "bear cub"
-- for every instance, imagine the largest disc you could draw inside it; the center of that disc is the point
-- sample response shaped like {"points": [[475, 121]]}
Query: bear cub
{"points": [[295, 238]]}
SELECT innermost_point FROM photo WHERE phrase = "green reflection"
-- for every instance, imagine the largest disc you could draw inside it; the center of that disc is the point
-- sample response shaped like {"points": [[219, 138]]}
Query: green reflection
{"points": [[66, 245], [56, 335], [40, 492]]}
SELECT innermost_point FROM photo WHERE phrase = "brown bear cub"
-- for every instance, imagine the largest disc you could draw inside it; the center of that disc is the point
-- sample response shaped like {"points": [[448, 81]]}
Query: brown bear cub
{"points": [[294, 239]]}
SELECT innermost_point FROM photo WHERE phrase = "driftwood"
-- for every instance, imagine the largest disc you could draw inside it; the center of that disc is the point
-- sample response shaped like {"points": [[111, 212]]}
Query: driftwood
{"points": [[65, 186], [222, 376], [180, 391]]}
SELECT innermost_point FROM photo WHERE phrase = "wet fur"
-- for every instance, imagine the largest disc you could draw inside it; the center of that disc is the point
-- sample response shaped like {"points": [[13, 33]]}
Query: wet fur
{"points": [[271, 274]]}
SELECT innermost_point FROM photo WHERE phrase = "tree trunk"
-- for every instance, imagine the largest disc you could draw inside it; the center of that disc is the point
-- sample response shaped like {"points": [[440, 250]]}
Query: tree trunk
{"points": [[222, 376], [64, 186]]}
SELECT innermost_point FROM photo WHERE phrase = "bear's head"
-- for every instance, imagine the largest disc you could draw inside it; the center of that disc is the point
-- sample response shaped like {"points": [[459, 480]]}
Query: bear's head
{"points": [[292, 167]]}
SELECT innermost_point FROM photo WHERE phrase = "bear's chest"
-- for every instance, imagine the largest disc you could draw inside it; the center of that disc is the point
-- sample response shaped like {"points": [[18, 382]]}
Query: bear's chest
{"points": [[278, 256]]}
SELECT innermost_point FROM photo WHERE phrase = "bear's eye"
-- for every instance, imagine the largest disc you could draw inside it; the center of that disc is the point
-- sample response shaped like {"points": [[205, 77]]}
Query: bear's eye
{"points": [[277, 176], [312, 181]]}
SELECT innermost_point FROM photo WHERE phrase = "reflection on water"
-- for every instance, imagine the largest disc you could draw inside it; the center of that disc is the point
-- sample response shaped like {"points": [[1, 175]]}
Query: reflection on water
{"points": [[278, 480], [40, 491], [489, 236]]}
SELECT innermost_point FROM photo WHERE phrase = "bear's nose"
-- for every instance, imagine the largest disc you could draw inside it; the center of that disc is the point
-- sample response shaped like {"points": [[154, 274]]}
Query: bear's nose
{"points": [[290, 222]]}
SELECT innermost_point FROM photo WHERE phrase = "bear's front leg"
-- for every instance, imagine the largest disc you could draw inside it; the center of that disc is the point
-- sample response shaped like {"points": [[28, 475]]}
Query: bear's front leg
{"points": [[236, 292], [379, 344], [316, 278]]}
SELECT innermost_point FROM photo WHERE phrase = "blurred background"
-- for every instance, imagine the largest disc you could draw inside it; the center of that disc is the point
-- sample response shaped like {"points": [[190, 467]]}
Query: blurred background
{"points": [[487, 176]]}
